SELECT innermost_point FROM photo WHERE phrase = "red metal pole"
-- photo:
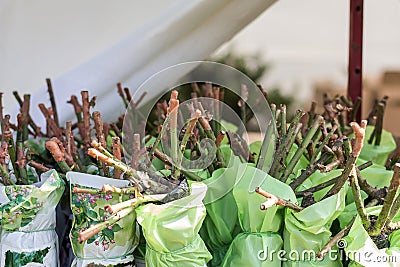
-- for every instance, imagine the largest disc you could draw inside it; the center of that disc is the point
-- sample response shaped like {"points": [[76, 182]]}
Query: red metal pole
{"points": [[354, 86]]}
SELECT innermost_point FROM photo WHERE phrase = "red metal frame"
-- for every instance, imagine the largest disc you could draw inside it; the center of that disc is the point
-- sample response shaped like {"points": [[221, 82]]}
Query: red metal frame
{"points": [[354, 86]]}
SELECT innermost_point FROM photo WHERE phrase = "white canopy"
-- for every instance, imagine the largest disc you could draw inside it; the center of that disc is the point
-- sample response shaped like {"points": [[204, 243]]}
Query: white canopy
{"points": [[95, 44]]}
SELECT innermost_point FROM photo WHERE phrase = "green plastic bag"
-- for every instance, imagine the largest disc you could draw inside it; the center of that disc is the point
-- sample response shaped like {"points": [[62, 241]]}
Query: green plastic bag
{"points": [[306, 232], [172, 231], [221, 224], [378, 154], [260, 228], [114, 245], [362, 251], [28, 221]]}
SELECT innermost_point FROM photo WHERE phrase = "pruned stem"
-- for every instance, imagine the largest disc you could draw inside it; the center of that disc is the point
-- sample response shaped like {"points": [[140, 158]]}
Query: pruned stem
{"points": [[135, 202], [391, 206], [355, 188], [95, 229], [86, 119], [359, 131], [38, 166], [52, 101], [116, 146], [334, 240], [57, 152], [294, 160], [274, 200], [113, 162], [285, 143], [311, 168]]}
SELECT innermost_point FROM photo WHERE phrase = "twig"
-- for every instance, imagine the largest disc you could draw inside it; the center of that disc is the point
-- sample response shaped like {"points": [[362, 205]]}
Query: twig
{"points": [[289, 169], [52, 101], [274, 200], [53, 146], [285, 143], [135, 202], [359, 202], [359, 131], [326, 184], [390, 208], [86, 119], [311, 168], [136, 155], [116, 145], [95, 229], [38, 166], [334, 240]]}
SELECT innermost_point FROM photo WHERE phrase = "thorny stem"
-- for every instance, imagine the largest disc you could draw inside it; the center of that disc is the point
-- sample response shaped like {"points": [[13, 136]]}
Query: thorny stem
{"points": [[391, 206], [116, 146], [86, 119], [95, 229], [98, 125], [38, 166], [311, 168], [334, 240], [283, 119], [274, 200], [51, 125], [323, 143], [355, 108], [289, 169], [21, 158], [380, 109], [355, 188], [114, 162], [359, 131], [327, 183], [173, 113], [285, 143], [122, 95], [135, 202], [57, 154], [161, 156], [188, 132], [265, 147], [35, 128], [52, 101], [135, 151], [205, 125]]}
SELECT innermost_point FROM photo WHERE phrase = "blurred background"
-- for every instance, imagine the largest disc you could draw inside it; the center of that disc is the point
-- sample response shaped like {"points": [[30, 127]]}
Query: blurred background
{"points": [[296, 49]]}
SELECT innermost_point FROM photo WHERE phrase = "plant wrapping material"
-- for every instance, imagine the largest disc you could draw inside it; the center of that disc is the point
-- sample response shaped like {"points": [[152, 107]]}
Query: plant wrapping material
{"points": [[378, 154], [171, 231], [362, 250], [98, 237], [221, 224], [28, 221], [260, 229], [309, 229]]}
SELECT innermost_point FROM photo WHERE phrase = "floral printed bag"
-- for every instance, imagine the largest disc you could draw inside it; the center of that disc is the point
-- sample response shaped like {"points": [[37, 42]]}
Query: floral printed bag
{"points": [[28, 221], [114, 245]]}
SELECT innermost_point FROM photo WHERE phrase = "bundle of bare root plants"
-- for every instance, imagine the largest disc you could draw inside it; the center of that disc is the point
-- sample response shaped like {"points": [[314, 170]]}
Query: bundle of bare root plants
{"points": [[330, 178]]}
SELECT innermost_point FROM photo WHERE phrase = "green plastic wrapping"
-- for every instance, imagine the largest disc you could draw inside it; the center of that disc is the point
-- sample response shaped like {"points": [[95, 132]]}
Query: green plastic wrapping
{"points": [[221, 224], [114, 245], [28, 221], [306, 232], [362, 251], [378, 154], [172, 231], [260, 228]]}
